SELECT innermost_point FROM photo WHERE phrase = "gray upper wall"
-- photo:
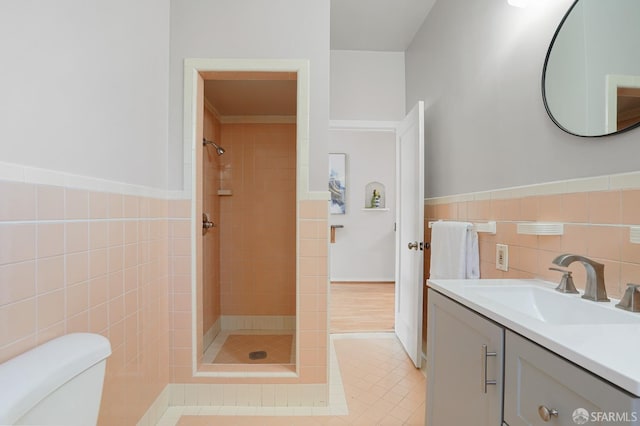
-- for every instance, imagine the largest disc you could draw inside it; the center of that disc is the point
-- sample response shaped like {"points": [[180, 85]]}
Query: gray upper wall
{"points": [[83, 88], [96, 88], [255, 29], [477, 64]]}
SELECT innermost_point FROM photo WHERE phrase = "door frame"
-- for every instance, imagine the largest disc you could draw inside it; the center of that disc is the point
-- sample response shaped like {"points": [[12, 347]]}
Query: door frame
{"points": [[194, 68], [388, 127], [382, 126]]}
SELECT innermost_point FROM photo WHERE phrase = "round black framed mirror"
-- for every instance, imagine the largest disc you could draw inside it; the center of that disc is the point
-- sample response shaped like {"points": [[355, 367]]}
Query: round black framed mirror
{"points": [[591, 74]]}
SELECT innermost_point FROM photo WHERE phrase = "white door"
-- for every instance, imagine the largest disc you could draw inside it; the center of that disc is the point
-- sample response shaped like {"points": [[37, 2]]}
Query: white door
{"points": [[410, 231]]}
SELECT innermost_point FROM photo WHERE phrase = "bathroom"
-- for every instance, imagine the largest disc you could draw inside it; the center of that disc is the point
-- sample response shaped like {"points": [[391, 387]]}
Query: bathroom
{"points": [[95, 199]]}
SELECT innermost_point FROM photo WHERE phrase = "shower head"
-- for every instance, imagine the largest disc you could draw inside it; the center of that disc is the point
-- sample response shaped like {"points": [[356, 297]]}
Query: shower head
{"points": [[219, 149]]}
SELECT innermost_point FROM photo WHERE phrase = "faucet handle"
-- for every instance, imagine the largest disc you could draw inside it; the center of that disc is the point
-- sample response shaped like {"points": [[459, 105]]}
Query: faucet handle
{"points": [[566, 283], [631, 299]]}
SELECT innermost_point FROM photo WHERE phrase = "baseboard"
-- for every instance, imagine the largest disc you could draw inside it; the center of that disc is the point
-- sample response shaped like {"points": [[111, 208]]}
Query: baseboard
{"points": [[157, 409], [211, 334], [258, 322]]}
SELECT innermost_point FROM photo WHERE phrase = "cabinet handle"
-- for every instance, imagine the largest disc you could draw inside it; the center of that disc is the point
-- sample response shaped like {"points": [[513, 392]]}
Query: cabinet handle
{"points": [[546, 413], [485, 355]]}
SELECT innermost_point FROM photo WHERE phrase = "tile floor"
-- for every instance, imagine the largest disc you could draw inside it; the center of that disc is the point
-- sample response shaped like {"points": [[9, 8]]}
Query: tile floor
{"points": [[379, 386]]}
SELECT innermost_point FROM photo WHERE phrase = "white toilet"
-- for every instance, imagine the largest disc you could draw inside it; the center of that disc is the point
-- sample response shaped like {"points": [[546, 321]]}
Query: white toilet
{"points": [[57, 383]]}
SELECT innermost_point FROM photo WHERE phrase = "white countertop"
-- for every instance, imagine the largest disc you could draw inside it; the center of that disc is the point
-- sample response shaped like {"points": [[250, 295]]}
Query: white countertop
{"points": [[611, 351]]}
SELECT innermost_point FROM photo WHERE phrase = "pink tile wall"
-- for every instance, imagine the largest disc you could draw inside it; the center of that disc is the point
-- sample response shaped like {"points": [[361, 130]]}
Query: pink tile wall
{"points": [[180, 291], [596, 225], [73, 260], [313, 239], [257, 223], [211, 164], [312, 316]]}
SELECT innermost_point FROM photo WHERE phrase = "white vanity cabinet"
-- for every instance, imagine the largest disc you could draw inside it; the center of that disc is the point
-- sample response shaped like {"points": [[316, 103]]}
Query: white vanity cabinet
{"points": [[464, 365], [541, 385], [481, 371]]}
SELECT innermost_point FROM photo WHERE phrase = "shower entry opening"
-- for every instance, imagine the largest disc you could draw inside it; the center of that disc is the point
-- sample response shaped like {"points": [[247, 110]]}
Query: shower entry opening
{"points": [[245, 190]]}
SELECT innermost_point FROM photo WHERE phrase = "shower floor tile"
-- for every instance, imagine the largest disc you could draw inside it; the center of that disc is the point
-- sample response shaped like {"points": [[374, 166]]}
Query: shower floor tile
{"points": [[236, 346], [255, 349]]}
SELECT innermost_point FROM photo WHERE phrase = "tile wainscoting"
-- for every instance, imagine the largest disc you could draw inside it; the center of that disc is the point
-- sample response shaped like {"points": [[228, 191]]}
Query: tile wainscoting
{"points": [[78, 260], [79, 254], [596, 212]]}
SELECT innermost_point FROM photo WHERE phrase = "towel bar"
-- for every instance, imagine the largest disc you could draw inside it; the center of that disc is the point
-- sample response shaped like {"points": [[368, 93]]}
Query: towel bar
{"points": [[488, 227]]}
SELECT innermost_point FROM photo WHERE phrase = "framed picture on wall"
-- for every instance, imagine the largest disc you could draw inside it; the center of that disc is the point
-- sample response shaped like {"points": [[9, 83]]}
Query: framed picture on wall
{"points": [[338, 183]]}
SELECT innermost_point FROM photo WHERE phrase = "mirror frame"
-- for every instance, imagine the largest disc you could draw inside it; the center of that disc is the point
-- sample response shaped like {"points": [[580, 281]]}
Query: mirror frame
{"points": [[544, 94]]}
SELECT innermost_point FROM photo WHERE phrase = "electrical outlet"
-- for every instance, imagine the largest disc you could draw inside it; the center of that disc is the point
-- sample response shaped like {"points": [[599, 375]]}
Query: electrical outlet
{"points": [[502, 257]]}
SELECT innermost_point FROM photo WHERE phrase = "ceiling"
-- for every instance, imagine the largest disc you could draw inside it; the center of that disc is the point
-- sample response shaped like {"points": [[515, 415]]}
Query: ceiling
{"points": [[373, 25], [378, 25], [251, 97]]}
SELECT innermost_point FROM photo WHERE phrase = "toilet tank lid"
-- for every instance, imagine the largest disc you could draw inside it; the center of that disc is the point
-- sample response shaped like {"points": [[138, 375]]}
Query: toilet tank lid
{"points": [[28, 378]]}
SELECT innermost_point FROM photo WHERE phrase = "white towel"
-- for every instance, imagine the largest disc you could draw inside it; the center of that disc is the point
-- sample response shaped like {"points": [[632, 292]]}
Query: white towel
{"points": [[454, 251]]}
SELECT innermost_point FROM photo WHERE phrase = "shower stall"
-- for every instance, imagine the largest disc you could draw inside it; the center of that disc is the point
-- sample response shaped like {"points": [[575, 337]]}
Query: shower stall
{"points": [[248, 163]]}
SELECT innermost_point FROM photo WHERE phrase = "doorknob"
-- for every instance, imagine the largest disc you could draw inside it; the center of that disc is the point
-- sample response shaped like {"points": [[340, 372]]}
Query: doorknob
{"points": [[413, 245], [206, 222]]}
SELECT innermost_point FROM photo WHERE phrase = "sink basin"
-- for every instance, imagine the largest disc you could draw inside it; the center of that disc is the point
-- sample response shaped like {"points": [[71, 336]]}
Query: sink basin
{"points": [[549, 306]]}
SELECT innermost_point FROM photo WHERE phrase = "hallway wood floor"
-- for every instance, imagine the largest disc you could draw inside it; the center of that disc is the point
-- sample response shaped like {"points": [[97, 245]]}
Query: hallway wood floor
{"points": [[361, 307]]}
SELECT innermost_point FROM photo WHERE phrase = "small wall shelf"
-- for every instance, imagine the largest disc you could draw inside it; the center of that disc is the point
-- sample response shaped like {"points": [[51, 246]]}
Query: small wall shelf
{"points": [[540, 228], [375, 209], [377, 201], [487, 227]]}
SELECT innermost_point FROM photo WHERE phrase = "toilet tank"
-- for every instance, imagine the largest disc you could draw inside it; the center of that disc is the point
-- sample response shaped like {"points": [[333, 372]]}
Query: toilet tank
{"points": [[57, 383]]}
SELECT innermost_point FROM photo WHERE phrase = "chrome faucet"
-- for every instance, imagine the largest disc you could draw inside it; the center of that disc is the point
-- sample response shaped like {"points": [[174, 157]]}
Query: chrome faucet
{"points": [[594, 289]]}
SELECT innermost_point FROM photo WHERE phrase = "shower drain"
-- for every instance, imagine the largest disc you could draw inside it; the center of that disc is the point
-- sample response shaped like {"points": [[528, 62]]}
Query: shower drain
{"points": [[258, 355]]}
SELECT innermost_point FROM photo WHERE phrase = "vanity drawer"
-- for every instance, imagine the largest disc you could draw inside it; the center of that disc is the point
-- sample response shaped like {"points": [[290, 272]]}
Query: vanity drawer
{"points": [[536, 377]]}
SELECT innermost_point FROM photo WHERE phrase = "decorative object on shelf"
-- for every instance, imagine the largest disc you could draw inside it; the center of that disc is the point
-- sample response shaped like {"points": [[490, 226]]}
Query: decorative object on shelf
{"points": [[375, 199], [337, 183], [374, 196]]}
